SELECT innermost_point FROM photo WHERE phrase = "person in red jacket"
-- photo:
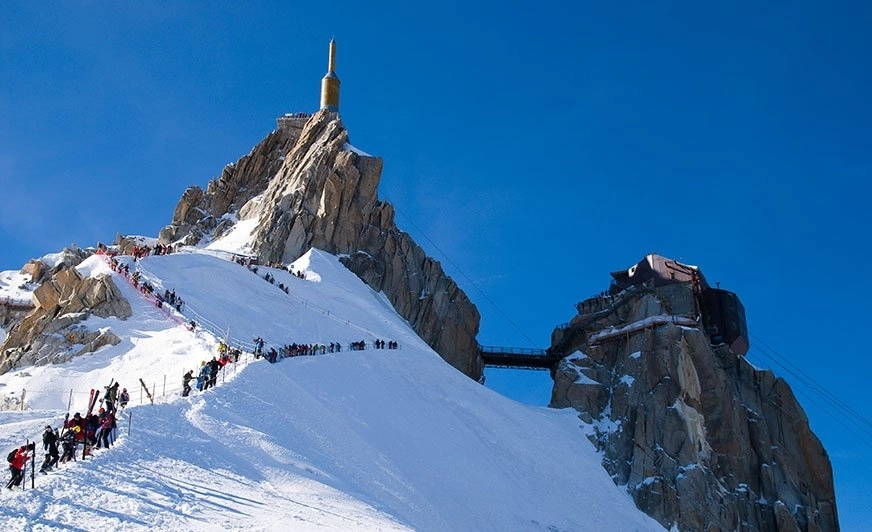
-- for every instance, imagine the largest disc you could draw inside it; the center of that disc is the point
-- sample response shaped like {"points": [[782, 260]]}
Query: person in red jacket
{"points": [[77, 421], [16, 466]]}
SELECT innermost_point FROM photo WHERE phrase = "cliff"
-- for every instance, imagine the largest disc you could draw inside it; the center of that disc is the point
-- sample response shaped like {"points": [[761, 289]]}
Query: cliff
{"points": [[308, 187], [701, 439]]}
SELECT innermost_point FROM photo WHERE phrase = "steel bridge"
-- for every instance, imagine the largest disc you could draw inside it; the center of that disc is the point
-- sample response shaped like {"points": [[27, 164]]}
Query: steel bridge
{"points": [[517, 357]]}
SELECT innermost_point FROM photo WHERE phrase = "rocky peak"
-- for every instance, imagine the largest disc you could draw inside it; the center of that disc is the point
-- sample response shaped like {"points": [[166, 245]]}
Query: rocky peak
{"points": [[701, 438], [199, 212], [309, 188]]}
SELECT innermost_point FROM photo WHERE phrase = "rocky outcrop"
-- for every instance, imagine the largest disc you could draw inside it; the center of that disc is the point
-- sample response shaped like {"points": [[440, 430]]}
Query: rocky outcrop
{"points": [[701, 439], [199, 213], [53, 332], [324, 194]]}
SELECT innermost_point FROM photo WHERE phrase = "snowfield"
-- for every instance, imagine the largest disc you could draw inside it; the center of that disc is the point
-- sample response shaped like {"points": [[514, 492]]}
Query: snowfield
{"points": [[357, 440]]}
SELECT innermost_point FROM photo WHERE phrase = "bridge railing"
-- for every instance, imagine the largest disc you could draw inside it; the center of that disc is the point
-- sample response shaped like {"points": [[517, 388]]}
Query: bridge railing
{"points": [[512, 350]]}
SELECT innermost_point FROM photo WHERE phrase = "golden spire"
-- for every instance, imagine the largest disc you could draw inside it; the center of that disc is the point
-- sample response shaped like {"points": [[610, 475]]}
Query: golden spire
{"points": [[331, 63], [330, 83]]}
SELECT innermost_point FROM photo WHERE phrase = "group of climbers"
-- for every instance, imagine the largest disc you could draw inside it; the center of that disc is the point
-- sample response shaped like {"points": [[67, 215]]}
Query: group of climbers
{"points": [[92, 430], [294, 350], [139, 252], [380, 344], [96, 430], [207, 375], [168, 297]]}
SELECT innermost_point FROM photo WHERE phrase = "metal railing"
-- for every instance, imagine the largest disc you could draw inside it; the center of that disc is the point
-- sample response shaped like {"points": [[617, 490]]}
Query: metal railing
{"points": [[512, 350]]}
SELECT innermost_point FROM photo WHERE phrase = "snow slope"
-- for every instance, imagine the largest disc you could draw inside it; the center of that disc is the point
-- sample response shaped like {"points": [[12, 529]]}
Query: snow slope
{"points": [[357, 440]]}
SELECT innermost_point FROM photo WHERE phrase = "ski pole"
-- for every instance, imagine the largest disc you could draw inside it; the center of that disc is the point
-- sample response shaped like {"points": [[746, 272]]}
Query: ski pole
{"points": [[23, 472]]}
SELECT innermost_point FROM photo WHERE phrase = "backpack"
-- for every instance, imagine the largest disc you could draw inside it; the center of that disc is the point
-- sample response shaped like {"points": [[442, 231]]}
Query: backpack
{"points": [[11, 456]]}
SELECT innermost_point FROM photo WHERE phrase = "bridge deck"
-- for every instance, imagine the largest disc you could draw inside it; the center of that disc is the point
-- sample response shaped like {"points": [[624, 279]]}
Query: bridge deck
{"points": [[513, 357]]}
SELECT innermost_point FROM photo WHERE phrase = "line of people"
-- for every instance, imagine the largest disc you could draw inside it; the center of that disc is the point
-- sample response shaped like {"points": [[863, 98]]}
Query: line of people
{"points": [[294, 349], [207, 375]]}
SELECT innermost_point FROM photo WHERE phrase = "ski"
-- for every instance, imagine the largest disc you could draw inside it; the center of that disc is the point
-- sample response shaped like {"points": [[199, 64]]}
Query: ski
{"points": [[90, 400], [32, 469], [95, 394]]}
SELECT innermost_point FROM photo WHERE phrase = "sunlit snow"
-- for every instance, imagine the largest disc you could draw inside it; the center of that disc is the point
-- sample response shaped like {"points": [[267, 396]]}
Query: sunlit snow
{"points": [[378, 439]]}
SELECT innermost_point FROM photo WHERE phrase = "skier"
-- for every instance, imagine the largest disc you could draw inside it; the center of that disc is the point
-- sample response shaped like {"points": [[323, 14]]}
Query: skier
{"points": [[16, 466], [104, 434], [110, 397], [214, 366], [50, 444], [123, 398], [186, 382], [68, 442], [203, 377]]}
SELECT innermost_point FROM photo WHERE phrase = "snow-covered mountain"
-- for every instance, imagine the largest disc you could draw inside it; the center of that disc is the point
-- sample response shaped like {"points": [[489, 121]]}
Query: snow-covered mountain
{"points": [[379, 439]]}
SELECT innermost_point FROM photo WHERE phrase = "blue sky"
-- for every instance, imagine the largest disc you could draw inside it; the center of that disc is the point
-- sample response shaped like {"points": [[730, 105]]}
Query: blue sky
{"points": [[532, 150]]}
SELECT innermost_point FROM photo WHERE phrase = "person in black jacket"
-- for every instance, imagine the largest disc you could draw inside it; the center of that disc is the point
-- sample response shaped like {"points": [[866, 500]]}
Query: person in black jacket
{"points": [[110, 396], [214, 366], [186, 382], [50, 444]]}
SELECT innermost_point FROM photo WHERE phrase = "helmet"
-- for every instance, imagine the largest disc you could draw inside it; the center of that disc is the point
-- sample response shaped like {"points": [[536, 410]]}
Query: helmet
{"points": [[77, 415], [102, 410], [48, 427]]}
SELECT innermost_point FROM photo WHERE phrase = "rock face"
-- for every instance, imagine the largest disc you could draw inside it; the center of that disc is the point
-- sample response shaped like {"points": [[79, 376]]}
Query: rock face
{"points": [[309, 188], [701, 439], [52, 332], [199, 213]]}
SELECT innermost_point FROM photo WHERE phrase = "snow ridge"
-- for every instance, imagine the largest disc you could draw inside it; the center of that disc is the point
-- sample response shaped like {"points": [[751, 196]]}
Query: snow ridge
{"points": [[363, 440]]}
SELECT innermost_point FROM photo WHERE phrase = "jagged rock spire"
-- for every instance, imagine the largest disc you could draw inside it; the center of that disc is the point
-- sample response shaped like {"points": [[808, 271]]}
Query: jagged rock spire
{"points": [[310, 188]]}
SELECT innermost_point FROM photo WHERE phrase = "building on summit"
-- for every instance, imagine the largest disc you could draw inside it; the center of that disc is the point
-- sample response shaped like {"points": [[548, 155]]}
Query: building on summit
{"points": [[330, 83]]}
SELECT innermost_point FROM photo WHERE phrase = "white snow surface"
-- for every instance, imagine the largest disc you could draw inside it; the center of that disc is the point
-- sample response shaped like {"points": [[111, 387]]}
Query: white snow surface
{"points": [[238, 239], [348, 147], [15, 287], [357, 440]]}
